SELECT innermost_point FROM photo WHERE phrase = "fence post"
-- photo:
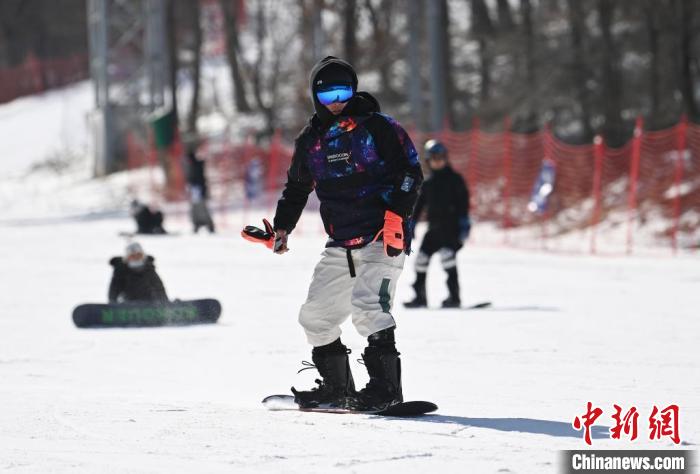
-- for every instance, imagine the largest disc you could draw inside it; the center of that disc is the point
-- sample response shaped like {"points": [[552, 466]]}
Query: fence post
{"points": [[681, 130], [597, 181], [633, 178], [507, 181]]}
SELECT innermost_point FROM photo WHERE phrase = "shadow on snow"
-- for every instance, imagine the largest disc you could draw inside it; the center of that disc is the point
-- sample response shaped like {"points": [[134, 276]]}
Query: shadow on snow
{"points": [[523, 425]]}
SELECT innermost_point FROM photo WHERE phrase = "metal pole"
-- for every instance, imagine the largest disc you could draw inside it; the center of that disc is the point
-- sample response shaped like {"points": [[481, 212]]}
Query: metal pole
{"points": [[98, 16]]}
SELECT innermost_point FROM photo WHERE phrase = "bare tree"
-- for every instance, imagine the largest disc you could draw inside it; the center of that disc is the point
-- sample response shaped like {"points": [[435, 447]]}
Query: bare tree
{"points": [[611, 87], [579, 72], [653, 31], [173, 62], [482, 29], [349, 30], [196, 29], [528, 36], [505, 16], [381, 15], [687, 12], [231, 10]]}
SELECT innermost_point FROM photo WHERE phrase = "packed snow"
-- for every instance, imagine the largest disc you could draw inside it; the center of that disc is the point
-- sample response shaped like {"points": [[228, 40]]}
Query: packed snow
{"points": [[508, 380], [563, 330]]}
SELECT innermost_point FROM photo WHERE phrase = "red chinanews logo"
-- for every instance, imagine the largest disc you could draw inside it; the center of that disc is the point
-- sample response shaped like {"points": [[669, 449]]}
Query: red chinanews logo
{"points": [[662, 423]]}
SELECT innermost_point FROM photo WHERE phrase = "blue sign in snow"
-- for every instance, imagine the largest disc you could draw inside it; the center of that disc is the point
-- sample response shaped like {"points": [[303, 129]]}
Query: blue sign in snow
{"points": [[254, 179], [543, 188]]}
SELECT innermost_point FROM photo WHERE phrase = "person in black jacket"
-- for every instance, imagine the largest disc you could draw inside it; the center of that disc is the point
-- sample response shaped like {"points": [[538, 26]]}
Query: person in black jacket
{"points": [[135, 278], [197, 183], [147, 220], [446, 197], [366, 174]]}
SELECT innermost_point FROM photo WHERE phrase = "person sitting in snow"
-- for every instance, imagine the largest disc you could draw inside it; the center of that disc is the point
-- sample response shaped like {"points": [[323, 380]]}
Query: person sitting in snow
{"points": [[147, 221], [135, 278]]}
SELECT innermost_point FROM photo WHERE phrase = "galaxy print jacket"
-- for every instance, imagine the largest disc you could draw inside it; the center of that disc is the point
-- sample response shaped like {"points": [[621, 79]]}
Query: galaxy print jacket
{"points": [[361, 165]]}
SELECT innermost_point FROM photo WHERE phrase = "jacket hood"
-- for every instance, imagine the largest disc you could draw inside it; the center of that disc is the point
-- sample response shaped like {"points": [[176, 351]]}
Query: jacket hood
{"points": [[119, 262], [321, 111]]}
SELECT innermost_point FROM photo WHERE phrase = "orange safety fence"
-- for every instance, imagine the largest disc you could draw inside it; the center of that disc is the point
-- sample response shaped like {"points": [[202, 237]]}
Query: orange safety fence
{"points": [[654, 178], [37, 75]]}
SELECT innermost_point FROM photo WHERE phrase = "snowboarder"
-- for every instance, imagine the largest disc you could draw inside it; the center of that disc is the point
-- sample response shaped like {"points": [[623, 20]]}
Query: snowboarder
{"points": [[147, 221], [366, 174], [135, 278], [446, 197], [197, 183]]}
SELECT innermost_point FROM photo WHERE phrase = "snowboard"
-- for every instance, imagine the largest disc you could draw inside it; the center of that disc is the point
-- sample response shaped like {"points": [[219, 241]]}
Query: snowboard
{"points": [[481, 305], [405, 409], [144, 314], [131, 235]]}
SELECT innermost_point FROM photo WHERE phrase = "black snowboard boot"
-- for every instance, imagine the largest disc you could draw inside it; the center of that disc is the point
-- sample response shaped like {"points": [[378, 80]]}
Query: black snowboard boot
{"points": [[420, 301], [453, 301], [336, 382], [384, 367]]}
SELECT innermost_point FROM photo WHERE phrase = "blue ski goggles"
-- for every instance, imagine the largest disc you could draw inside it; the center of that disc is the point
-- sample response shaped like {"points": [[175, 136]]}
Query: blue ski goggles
{"points": [[331, 94]]}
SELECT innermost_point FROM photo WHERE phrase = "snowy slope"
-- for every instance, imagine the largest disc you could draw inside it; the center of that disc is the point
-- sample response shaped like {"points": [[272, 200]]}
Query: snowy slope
{"points": [[509, 381], [44, 126], [563, 331]]}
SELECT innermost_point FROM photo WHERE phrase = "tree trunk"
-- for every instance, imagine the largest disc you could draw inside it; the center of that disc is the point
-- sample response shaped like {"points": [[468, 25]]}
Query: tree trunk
{"points": [[686, 51], [350, 27], [194, 14], [528, 33], [380, 18], [578, 70], [485, 71], [653, 32], [481, 28], [257, 75], [612, 80], [230, 10], [414, 77], [505, 16], [171, 25], [450, 91]]}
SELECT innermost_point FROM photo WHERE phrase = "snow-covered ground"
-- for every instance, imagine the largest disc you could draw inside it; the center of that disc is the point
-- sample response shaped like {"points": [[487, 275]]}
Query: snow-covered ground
{"points": [[564, 330], [509, 381]]}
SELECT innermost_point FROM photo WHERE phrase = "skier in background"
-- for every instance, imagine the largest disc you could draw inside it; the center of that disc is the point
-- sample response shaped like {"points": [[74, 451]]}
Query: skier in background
{"points": [[135, 278], [197, 183], [446, 197], [366, 173], [147, 220]]}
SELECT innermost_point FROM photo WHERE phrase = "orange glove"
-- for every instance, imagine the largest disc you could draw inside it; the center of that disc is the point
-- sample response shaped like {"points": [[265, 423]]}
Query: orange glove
{"points": [[393, 234], [276, 241], [257, 235]]}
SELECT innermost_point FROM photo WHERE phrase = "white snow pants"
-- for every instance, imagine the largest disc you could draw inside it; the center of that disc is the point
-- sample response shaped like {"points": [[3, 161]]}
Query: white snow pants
{"points": [[334, 294]]}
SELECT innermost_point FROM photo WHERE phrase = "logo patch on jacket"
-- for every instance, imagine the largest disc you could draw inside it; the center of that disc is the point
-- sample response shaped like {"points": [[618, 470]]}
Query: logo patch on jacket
{"points": [[345, 156], [407, 184]]}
